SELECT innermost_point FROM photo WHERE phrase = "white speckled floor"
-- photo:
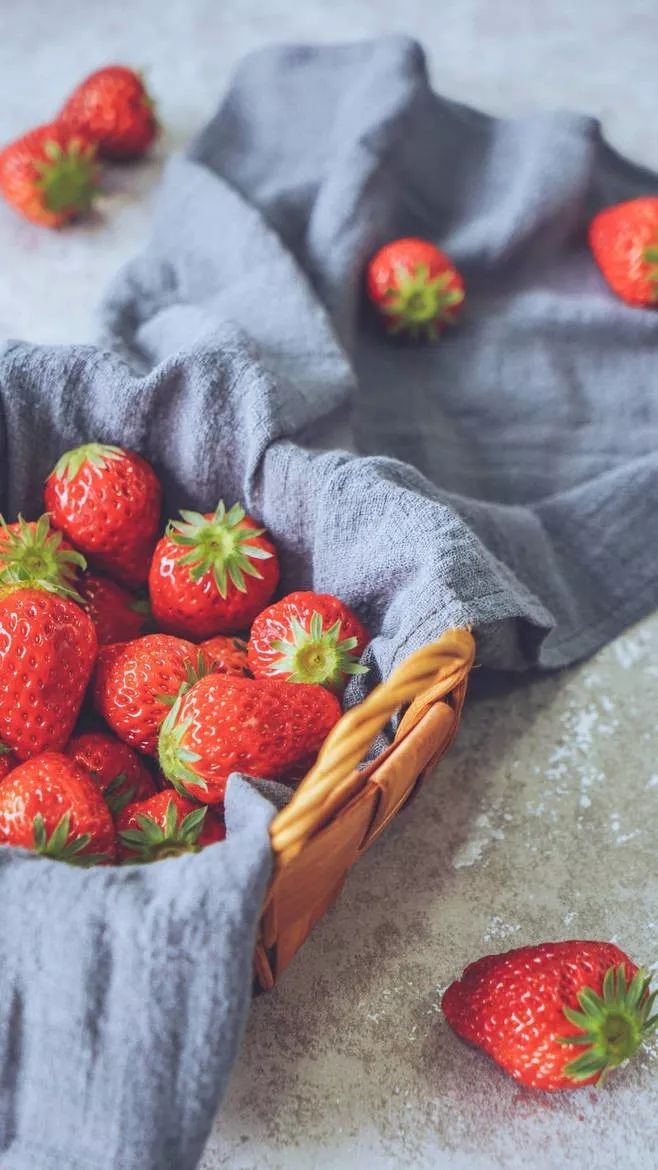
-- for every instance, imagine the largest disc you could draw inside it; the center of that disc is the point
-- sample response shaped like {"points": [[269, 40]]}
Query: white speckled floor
{"points": [[541, 823]]}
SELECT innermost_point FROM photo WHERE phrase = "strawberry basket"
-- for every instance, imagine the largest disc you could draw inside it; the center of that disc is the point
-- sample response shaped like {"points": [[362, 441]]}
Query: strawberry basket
{"points": [[339, 809]]}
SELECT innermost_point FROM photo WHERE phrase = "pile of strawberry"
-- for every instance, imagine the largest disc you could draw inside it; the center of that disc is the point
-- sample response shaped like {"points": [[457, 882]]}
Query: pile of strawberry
{"points": [[138, 670], [51, 174]]}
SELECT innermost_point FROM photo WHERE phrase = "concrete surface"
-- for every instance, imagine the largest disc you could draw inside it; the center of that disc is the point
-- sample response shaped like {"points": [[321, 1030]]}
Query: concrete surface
{"points": [[541, 822]]}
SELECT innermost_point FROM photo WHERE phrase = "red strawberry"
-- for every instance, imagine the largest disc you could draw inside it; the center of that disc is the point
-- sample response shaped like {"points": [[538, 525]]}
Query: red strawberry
{"points": [[136, 684], [50, 175], [116, 614], [107, 501], [415, 287], [47, 653], [166, 825], [115, 768], [554, 1016], [113, 108], [211, 574], [52, 806], [33, 553], [308, 638], [264, 727], [226, 655], [8, 761], [624, 240]]}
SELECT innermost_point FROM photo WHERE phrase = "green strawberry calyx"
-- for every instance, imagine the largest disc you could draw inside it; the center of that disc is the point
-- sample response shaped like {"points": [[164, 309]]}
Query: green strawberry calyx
{"points": [[193, 672], [218, 545], [59, 847], [612, 1025], [650, 257], [68, 176], [153, 842], [316, 655], [418, 303], [33, 557], [176, 759], [118, 794], [96, 455]]}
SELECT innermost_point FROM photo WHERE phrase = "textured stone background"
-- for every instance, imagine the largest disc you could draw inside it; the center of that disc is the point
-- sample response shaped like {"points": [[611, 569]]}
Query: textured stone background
{"points": [[541, 824]]}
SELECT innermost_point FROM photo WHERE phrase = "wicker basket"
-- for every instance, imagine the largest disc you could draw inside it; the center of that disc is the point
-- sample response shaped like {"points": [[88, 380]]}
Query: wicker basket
{"points": [[339, 810]]}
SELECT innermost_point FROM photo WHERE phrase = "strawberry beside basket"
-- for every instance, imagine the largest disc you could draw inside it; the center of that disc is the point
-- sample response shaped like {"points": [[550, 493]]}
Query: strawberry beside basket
{"points": [[339, 809]]}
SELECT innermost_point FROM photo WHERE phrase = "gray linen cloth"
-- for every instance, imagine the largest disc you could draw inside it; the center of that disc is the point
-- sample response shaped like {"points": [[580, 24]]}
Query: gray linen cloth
{"points": [[505, 477]]}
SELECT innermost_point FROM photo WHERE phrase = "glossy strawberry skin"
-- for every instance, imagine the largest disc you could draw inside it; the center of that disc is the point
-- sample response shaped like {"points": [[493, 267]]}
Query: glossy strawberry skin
{"points": [[196, 609], [113, 108], [116, 614], [226, 655], [118, 772], [155, 807], [512, 1006], [24, 165], [274, 624], [48, 649], [266, 728], [53, 785], [131, 682], [404, 257], [111, 514], [619, 237]]}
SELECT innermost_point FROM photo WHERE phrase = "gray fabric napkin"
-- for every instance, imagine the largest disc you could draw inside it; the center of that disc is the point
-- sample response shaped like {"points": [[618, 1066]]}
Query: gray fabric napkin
{"points": [[505, 477]]}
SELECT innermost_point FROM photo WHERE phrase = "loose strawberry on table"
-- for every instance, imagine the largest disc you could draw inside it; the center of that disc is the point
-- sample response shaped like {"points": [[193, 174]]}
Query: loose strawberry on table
{"points": [[136, 683], [113, 107], [212, 573], [624, 242], [166, 825], [51, 805], [415, 288], [115, 768], [117, 615], [47, 652], [107, 501], [554, 1016], [34, 553], [50, 175], [308, 638], [264, 727]]}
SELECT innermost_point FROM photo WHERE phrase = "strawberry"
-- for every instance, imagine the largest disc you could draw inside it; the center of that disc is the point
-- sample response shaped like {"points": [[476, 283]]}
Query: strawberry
{"points": [[116, 614], [415, 288], [47, 653], [8, 761], [211, 574], [554, 1016], [107, 501], [115, 768], [166, 825], [113, 108], [136, 684], [51, 805], [50, 175], [624, 241], [226, 655], [33, 553], [265, 727], [308, 638]]}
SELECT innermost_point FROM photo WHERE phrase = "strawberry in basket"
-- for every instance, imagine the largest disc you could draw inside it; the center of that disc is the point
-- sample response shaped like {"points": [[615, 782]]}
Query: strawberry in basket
{"points": [[112, 107], [308, 638], [415, 288], [263, 727], [166, 825], [117, 615], [107, 502], [116, 769], [50, 175], [554, 1016], [50, 805], [624, 242], [34, 553], [226, 655], [136, 684], [211, 573]]}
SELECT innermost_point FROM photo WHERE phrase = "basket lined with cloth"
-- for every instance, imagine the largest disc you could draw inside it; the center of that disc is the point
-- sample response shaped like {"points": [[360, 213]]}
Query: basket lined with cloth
{"points": [[484, 482]]}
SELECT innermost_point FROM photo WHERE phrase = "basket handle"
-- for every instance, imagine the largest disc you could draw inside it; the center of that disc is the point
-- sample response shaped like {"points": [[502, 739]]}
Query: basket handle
{"points": [[441, 666]]}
